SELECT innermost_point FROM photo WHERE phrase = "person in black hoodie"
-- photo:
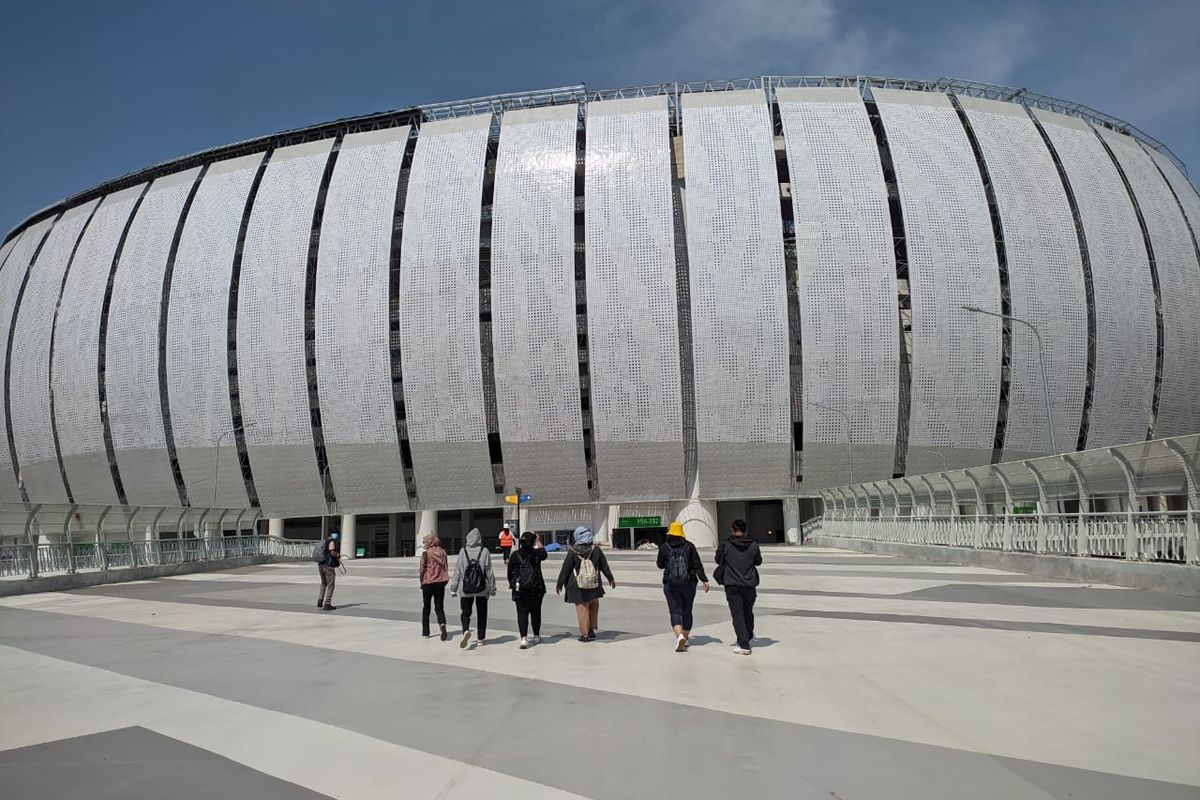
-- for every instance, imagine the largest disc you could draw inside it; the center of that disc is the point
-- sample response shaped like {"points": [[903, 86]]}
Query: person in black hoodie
{"points": [[528, 586], [738, 558], [682, 568]]}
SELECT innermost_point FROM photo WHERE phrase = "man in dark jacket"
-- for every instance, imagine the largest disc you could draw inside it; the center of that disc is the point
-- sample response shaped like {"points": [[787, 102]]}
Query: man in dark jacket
{"points": [[738, 558], [682, 568]]}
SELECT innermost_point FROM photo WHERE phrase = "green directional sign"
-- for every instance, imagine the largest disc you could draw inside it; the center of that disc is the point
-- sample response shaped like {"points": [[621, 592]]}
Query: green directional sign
{"points": [[639, 522], [1025, 509]]}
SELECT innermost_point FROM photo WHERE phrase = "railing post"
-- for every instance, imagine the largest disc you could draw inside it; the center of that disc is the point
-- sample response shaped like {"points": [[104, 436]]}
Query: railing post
{"points": [[1008, 503], [1081, 535], [1132, 547], [1043, 500], [33, 545], [103, 553], [70, 541], [129, 536], [980, 507], [1191, 535]]}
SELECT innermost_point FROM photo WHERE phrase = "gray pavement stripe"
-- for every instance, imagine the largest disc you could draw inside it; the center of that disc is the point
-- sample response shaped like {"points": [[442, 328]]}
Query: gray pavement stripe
{"points": [[603, 745]]}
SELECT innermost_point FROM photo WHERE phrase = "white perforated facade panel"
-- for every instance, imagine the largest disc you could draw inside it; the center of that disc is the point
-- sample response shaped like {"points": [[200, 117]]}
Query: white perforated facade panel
{"points": [[1123, 383], [739, 295], [1045, 278], [198, 340], [533, 304], [439, 315], [1178, 282], [20, 251], [75, 373], [132, 355], [951, 263], [272, 377], [29, 376], [353, 348], [633, 326], [1184, 191], [847, 285]]}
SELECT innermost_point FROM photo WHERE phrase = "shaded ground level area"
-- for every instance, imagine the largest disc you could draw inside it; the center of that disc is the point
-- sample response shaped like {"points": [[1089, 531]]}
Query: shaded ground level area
{"points": [[871, 677]]}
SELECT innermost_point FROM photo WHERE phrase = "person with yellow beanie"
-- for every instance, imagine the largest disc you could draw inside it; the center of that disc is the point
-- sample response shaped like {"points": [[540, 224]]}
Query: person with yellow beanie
{"points": [[682, 570]]}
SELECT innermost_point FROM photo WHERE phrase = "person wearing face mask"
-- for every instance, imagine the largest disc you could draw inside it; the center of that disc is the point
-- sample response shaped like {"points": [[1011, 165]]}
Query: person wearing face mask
{"points": [[328, 570]]}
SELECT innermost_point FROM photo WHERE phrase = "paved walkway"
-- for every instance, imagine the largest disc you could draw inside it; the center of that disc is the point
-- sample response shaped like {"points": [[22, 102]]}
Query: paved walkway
{"points": [[876, 677]]}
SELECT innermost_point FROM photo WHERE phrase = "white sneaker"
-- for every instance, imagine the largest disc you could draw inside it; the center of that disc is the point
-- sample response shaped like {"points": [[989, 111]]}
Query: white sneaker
{"points": [[524, 643], [466, 639], [680, 643], [741, 651]]}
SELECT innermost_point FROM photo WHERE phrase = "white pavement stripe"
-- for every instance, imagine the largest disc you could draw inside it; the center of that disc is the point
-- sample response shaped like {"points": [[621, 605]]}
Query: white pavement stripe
{"points": [[59, 699], [1033, 696]]}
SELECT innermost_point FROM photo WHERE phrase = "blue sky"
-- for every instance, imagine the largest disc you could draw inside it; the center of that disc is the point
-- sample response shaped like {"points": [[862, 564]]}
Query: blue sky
{"points": [[93, 90]]}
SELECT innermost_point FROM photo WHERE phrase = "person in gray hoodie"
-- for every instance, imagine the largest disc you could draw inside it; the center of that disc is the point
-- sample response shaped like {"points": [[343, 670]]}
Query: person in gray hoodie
{"points": [[475, 583]]}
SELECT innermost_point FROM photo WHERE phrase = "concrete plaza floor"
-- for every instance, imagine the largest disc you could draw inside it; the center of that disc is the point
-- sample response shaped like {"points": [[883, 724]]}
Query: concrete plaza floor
{"points": [[874, 677]]}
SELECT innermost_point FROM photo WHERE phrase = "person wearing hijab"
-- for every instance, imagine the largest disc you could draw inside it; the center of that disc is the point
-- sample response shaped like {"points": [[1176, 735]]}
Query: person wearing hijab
{"points": [[434, 571], [528, 586], [580, 576], [682, 569], [473, 579]]}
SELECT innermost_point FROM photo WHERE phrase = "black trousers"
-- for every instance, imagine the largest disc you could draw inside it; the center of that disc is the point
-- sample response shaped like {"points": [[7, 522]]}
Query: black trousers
{"points": [[529, 610], [435, 593], [741, 609], [480, 604]]}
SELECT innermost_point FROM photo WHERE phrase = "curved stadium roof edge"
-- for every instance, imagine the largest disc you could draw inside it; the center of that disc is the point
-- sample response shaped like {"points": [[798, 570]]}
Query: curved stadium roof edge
{"points": [[579, 93]]}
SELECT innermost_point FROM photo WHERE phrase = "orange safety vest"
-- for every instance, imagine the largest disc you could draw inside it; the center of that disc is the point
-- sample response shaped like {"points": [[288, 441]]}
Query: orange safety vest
{"points": [[506, 539]]}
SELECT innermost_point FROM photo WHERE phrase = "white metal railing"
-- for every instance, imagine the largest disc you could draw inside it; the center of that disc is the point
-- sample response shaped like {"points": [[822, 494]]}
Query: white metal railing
{"points": [[1138, 535], [23, 560]]}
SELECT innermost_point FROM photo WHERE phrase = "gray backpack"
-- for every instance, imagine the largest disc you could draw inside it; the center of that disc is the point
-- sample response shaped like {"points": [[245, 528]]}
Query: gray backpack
{"points": [[320, 551], [586, 576]]}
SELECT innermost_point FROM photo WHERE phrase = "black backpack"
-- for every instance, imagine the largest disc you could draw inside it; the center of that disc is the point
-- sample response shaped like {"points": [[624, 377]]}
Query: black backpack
{"points": [[474, 581], [528, 577], [678, 570]]}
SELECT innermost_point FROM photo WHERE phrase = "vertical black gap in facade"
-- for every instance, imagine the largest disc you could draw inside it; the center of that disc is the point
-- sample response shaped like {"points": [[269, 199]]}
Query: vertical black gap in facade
{"points": [[791, 276], [164, 308], [1158, 316], [310, 325], [53, 343], [683, 294], [488, 367], [235, 402], [102, 350], [8, 345], [581, 310], [1089, 287], [1005, 297], [903, 288], [397, 364]]}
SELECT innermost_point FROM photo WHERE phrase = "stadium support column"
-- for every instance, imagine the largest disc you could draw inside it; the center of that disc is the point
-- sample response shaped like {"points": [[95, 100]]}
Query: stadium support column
{"points": [[604, 519], [427, 522], [791, 520], [348, 531], [275, 527], [699, 518]]}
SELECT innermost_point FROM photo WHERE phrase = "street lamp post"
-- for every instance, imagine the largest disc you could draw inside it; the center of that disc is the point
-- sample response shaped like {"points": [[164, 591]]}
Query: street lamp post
{"points": [[1041, 363], [845, 416]]}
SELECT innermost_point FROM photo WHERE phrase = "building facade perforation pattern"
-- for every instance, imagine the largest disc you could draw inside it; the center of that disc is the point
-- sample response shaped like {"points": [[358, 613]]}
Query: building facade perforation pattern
{"points": [[1123, 383], [952, 263], [633, 324], [29, 401], [533, 282], [847, 279], [1179, 287], [1045, 279]]}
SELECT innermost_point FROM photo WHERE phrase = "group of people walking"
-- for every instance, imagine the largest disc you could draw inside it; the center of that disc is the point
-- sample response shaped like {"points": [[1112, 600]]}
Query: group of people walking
{"points": [[581, 577]]}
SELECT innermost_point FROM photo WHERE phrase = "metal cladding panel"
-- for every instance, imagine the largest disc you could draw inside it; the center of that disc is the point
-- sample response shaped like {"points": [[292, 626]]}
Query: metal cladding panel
{"points": [[198, 339], [1122, 290], [1178, 282], [353, 345], [738, 293], [131, 354], [1045, 278], [20, 250], [951, 263], [847, 285], [533, 304], [76, 370], [1184, 191], [633, 326], [439, 315], [29, 377], [272, 376]]}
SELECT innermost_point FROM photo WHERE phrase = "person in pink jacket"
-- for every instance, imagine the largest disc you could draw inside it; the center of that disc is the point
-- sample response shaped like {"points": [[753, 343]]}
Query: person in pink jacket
{"points": [[435, 574]]}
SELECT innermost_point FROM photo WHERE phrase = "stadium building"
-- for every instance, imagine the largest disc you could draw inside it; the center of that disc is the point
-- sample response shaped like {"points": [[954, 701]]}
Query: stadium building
{"points": [[684, 301]]}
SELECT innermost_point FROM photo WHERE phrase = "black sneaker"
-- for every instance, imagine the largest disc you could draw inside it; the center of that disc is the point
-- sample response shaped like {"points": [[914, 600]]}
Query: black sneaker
{"points": [[445, 635], [328, 607], [320, 604]]}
